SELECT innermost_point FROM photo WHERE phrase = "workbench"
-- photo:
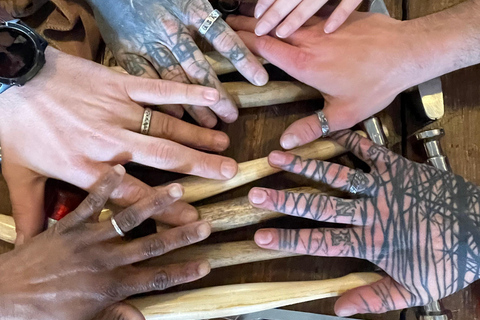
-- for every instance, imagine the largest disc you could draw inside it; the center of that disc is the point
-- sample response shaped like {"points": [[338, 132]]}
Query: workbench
{"points": [[257, 132]]}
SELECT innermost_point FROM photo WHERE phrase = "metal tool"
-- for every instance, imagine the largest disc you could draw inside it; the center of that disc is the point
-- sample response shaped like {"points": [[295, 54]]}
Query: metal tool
{"points": [[433, 148], [280, 314], [374, 129]]}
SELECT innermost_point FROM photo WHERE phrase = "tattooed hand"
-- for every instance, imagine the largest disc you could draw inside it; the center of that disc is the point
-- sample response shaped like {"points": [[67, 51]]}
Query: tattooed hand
{"points": [[419, 224], [153, 38]]}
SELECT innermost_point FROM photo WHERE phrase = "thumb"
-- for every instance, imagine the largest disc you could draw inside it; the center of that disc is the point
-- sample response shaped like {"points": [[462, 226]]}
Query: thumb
{"points": [[308, 129], [379, 297], [27, 191], [120, 311]]}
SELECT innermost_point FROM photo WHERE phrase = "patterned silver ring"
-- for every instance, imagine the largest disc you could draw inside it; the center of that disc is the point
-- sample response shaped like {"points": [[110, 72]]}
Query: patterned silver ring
{"points": [[353, 185], [209, 21], [323, 123], [116, 227], [147, 118]]}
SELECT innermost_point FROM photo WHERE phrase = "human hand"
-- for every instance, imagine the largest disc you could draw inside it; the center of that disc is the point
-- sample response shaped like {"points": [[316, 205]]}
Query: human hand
{"points": [[154, 38], [76, 119], [288, 16], [419, 224], [359, 69], [80, 266]]}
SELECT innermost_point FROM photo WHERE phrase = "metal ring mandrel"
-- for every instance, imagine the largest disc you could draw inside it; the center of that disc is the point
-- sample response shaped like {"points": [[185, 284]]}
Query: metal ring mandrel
{"points": [[323, 123], [209, 21], [146, 120], [433, 148], [229, 6]]}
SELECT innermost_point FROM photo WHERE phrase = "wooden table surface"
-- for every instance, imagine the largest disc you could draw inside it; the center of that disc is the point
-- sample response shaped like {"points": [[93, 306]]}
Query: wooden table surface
{"points": [[257, 132]]}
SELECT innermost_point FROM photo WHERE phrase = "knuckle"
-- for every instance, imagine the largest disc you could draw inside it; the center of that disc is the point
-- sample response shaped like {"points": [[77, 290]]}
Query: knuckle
{"points": [[94, 201], [166, 125], [112, 291], [187, 237], [154, 247], [163, 88], [161, 281], [164, 154], [128, 219], [302, 60]]}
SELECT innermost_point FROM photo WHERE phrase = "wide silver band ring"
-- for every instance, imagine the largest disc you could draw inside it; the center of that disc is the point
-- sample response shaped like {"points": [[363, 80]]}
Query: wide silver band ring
{"points": [[116, 227], [323, 123], [146, 120], [209, 21], [353, 184]]}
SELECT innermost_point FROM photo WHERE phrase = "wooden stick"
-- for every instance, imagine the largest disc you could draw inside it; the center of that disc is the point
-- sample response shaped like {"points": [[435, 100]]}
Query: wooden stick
{"points": [[236, 213], [221, 65], [219, 255], [247, 95], [200, 188], [237, 299], [7, 229]]}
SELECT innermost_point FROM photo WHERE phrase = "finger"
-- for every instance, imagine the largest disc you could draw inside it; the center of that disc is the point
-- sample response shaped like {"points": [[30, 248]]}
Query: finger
{"points": [[96, 199], [140, 280], [151, 91], [168, 155], [311, 206], [134, 215], [379, 297], [300, 15], [120, 311], [170, 128], [160, 243], [275, 14], [335, 175], [242, 23], [340, 15], [27, 191], [261, 7], [325, 242], [177, 214]]}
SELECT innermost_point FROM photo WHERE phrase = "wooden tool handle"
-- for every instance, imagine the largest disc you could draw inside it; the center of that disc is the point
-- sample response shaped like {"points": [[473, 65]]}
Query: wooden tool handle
{"points": [[200, 188], [7, 229], [236, 213], [222, 65], [237, 299], [219, 255], [247, 95]]}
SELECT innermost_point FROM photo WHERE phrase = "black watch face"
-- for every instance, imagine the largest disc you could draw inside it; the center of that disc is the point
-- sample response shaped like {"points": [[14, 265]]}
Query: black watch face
{"points": [[17, 53]]}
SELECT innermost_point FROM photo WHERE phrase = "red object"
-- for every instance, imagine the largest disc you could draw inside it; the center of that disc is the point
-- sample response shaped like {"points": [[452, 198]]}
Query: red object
{"points": [[61, 198]]}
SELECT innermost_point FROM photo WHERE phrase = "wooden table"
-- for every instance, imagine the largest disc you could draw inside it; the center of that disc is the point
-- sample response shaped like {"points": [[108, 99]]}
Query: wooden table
{"points": [[257, 132]]}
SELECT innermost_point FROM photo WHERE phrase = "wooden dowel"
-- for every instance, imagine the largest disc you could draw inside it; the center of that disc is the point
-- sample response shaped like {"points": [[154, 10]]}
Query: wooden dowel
{"points": [[7, 229], [200, 188], [247, 95], [219, 255], [237, 299]]}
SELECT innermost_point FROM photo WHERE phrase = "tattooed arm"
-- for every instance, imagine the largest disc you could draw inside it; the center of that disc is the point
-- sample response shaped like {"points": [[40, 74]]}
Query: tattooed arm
{"points": [[370, 59], [154, 38], [419, 224]]}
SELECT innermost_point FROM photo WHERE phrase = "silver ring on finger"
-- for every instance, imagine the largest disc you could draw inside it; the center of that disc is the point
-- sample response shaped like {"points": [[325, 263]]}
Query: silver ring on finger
{"points": [[146, 120], [116, 227], [323, 123], [353, 184], [209, 21]]}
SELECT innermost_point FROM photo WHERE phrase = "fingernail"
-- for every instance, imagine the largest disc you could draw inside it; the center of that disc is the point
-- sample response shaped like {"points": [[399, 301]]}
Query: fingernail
{"points": [[258, 196], [289, 141], [189, 215], [261, 28], [283, 31], [228, 169], [222, 141], [175, 191], [263, 237], [203, 268], [20, 239], [211, 95], [203, 230], [261, 78], [330, 26], [231, 117], [277, 158], [119, 169], [259, 10], [347, 312]]}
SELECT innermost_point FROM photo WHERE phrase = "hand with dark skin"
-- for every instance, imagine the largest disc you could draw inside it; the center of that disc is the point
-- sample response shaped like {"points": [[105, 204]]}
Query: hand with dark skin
{"points": [[419, 224], [362, 66], [79, 267], [154, 38]]}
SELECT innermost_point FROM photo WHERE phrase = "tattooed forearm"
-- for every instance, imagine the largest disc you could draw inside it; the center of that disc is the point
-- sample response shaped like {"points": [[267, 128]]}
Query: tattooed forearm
{"points": [[419, 224]]}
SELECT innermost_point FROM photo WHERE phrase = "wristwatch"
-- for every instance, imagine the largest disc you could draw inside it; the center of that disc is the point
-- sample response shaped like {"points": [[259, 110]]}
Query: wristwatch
{"points": [[22, 53]]}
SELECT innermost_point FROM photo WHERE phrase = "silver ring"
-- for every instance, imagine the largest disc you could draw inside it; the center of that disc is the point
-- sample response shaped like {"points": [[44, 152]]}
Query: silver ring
{"points": [[116, 227], [147, 118], [323, 123], [209, 21], [353, 184]]}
